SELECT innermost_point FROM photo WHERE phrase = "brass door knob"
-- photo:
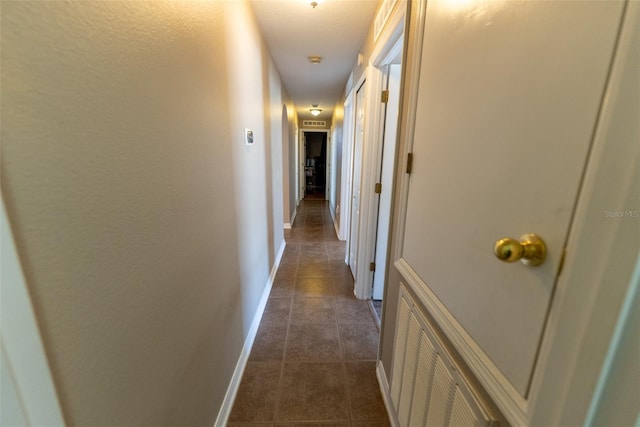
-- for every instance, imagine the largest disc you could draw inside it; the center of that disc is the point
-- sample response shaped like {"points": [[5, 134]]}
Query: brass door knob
{"points": [[530, 250]]}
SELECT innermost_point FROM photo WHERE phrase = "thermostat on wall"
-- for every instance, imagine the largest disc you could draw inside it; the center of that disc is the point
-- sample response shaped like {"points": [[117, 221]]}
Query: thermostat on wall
{"points": [[248, 136]]}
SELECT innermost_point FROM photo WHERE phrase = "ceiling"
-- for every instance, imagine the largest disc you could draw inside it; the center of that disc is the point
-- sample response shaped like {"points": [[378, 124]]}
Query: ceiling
{"points": [[334, 30]]}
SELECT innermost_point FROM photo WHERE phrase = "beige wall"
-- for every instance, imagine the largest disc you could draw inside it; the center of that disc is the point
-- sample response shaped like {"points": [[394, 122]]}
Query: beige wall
{"points": [[146, 228], [336, 159]]}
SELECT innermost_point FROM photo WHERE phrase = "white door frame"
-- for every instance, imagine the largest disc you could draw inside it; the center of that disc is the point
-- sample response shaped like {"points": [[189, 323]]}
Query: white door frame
{"points": [[31, 391], [345, 180], [349, 163], [328, 162], [357, 156], [297, 169], [386, 173], [302, 158], [389, 43]]}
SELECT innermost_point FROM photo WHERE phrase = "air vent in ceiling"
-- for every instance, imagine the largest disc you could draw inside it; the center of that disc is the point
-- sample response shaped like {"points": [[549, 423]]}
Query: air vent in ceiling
{"points": [[315, 123], [383, 16]]}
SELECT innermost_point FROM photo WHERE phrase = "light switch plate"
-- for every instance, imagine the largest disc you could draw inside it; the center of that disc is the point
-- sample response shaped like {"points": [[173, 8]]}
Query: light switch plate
{"points": [[248, 136]]}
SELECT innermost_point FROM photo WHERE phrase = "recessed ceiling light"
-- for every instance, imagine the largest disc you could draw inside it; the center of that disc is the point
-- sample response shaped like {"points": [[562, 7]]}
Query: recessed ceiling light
{"points": [[315, 59]]}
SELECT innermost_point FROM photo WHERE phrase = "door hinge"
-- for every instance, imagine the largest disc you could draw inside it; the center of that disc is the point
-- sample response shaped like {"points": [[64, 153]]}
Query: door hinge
{"points": [[372, 266], [409, 163], [384, 98], [378, 188], [561, 264]]}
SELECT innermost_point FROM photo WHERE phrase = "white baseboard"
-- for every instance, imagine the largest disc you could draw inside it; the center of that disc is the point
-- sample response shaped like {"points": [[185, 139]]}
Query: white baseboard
{"points": [[234, 384], [386, 397], [293, 215], [335, 224]]}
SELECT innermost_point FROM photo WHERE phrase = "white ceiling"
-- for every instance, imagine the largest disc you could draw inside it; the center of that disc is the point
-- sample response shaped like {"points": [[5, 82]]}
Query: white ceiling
{"points": [[334, 30]]}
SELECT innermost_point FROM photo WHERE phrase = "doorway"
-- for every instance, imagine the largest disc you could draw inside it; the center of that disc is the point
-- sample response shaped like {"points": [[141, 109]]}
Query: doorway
{"points": [[315, 165], [356, 181], [378, 165], [392, 75]]}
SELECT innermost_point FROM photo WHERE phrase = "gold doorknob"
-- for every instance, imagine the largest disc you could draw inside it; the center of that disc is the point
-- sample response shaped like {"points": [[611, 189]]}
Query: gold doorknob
{"points": [[530, 250]]}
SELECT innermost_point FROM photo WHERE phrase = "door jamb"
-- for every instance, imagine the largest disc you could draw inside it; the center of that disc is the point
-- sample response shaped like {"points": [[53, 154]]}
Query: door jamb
{"points": [[345, 180], [350, 166], [387, 46], [301, 160], [22, 349]]}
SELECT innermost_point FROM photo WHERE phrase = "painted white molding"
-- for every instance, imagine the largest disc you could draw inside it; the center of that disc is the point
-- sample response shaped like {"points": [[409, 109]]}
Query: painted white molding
{"points": [[293, 216], [23, 353], [336, 224], [382, 17], [345, 179], [236, 378], [387, 46], [348, 161], [615, 385], [368, 198], [386, 396], [393, 31], [288, 225], [301, 160], [408, 122], [496, 384]]}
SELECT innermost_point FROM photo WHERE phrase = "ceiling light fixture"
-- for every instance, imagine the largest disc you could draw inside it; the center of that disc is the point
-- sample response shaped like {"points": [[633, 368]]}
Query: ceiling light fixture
{"points": [[315, 59], [315, 110]]}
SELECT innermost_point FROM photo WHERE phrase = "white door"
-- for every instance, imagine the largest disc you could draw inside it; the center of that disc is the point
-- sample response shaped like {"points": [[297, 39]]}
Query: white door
{"points": [[386, 178], [506, 109], [347, 150], [356, 180], [301, 162]]}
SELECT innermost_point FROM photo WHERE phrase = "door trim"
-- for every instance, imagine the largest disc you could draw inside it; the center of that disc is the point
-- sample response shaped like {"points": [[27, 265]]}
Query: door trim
{"points": [[23, 352], [353, 96], [345, 180], [302, 158], [387, 46]]}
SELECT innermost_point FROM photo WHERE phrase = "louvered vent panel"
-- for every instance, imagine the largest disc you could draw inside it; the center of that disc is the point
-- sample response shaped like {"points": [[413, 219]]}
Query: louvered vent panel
{"points": [[399, 350], [440, 396], [424, 380], [461, 412], [383, 16], [409, 371], [314, 123], [426, 388]]}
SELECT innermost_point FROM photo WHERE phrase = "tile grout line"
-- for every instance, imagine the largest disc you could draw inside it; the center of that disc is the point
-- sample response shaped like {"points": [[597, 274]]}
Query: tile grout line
{"points": [[312, 228], [286, 340]]}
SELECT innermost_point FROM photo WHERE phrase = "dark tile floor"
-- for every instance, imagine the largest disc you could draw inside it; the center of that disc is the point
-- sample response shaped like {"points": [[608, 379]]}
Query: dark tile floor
{"points": [[313, 361]]}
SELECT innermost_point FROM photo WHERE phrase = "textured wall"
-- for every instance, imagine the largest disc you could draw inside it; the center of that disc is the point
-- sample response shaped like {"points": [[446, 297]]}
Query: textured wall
{"points": [[336, 160], [146, 228]]}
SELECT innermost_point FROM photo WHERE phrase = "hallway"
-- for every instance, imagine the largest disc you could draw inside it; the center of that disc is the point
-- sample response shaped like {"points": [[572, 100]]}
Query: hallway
{"points": [[314, 357]]}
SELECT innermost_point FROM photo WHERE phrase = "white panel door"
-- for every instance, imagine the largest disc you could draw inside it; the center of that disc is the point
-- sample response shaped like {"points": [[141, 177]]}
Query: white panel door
{"points": [[508, 97], [386, 179], [356, 180]]}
